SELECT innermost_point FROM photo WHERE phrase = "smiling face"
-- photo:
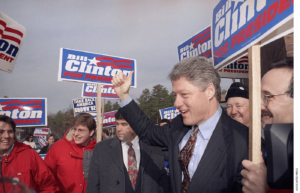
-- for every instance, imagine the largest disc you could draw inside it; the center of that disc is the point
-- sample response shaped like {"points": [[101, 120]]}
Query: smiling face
{"points": [[238, 109], [280, 108], [6, 137], [82, 135], [194, 105], [124, 131]]}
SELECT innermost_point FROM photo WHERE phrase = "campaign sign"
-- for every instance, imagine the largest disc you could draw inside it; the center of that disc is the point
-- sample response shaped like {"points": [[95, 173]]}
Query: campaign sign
{"points": [[109, 119], [84, 105], [94, 115], [12, 36], [90, 90], [237, 69], [42, 141], [237, 25], [43, 156], [41, 132], [81, 66], [169, 113], [198, 45], [25, 111]]}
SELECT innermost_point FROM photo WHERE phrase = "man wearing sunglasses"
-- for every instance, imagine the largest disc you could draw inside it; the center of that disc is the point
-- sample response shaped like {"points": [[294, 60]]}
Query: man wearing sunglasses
{"points": [[65, 157], [277, 106]]}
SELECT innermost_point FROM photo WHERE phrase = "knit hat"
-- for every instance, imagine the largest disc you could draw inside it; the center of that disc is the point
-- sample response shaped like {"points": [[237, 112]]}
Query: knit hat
{"points": [[237, 89]]}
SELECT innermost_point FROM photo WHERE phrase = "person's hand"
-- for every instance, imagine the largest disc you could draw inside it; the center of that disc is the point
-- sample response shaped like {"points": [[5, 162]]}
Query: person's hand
{"points": [[254, 177], [122, 85]]}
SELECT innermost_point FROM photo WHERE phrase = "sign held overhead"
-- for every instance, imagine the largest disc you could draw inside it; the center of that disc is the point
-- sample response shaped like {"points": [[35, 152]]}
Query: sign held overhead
{"points": [[238, 25], [25, 111], [81, 66], [12, 36]]}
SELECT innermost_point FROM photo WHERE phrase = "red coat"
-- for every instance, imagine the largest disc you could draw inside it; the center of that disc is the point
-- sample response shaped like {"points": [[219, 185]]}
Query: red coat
{"points": [[65, 161], [28, 167]]}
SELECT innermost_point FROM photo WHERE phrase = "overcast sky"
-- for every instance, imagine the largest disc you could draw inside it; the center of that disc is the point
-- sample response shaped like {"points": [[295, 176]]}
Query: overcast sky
{"points": [[146, 30]]}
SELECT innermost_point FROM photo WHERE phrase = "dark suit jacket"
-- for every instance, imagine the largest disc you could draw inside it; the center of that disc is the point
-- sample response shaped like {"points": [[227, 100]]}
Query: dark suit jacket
{"points": [[220, 166], [106, 173]]}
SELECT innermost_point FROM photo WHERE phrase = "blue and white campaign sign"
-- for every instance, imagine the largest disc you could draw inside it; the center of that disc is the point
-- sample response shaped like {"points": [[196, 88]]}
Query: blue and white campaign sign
{"points": [[84, 105], [42, 141], [94, 115], [198, 45], [12, 36], [169, 113], [90, 90], [25, 111], [239, 24], [43, 156], [237, 69], [81, 66], [41, 131], [109, 119]]}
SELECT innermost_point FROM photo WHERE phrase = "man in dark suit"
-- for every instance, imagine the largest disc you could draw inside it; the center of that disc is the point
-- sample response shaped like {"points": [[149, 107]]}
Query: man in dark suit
{"points": [[127, 165], [206, 147]]}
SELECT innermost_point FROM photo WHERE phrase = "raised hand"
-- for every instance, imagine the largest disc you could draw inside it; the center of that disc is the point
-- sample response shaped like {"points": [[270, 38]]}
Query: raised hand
{"points": [[122, 85]]}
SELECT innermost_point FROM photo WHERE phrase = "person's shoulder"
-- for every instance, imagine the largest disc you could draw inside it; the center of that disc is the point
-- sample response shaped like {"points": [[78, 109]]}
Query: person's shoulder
{"points": [[60, 144], [105, 143], [177, 123]]}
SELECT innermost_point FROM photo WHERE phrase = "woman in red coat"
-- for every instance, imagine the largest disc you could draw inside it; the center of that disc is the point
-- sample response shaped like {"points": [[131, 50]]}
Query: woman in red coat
{"points": [[21, 163], [65, 157]]}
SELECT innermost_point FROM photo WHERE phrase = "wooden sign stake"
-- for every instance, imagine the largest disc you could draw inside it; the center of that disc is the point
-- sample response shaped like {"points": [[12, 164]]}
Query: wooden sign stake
{"points": [[103, 112], [254, 104], [99, 118]]}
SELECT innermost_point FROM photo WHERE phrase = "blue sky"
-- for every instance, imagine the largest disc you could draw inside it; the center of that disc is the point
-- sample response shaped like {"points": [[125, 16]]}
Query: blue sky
{"points": [[148, 31]]}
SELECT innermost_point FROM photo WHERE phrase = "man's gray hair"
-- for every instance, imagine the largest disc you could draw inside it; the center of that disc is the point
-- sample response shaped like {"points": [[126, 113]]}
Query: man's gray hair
{"points": [[199, 71]]}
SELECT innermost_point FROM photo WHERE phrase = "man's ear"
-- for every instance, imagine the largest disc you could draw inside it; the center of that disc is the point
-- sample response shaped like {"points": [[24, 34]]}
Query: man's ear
{"points": [[210, 91]]}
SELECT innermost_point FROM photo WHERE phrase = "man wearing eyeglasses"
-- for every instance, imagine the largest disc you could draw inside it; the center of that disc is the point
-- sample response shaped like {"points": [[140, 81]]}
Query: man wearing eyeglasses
{"points": [[277, 106], [65, 157]]}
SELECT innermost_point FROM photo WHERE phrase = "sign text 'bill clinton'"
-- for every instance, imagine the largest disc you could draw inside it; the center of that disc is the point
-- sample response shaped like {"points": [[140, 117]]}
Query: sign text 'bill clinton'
{"points": [[89, 67]]}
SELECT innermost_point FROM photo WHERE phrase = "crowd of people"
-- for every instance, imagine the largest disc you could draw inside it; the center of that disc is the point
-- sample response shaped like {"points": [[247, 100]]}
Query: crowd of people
{"points": [[205, 146]]}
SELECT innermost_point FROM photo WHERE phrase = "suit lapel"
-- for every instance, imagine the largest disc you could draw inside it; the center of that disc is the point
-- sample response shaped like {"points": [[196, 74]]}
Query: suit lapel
{"points": [[145, 155], [116, 152], [177, 136], [212, 156]]}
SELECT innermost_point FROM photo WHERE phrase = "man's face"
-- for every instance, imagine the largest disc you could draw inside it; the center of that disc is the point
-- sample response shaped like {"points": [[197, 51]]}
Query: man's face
{"points": [[82, 135], [6, 136], [191, 102], [124, 131], [238, 109], [280, 108]]}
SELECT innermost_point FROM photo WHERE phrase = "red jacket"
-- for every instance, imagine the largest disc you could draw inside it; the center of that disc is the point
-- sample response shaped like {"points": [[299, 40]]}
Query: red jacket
{"points": [[28, 167], [65, 161]]}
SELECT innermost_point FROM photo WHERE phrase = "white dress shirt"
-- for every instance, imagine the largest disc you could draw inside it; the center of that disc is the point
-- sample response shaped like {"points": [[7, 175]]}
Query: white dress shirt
{"points": [[204, 133], [136, 148]]}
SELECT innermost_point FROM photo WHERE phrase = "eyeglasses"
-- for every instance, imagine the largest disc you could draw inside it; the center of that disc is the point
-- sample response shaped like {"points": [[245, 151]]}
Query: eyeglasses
{"points": [[80, 131], [265, 97]]}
